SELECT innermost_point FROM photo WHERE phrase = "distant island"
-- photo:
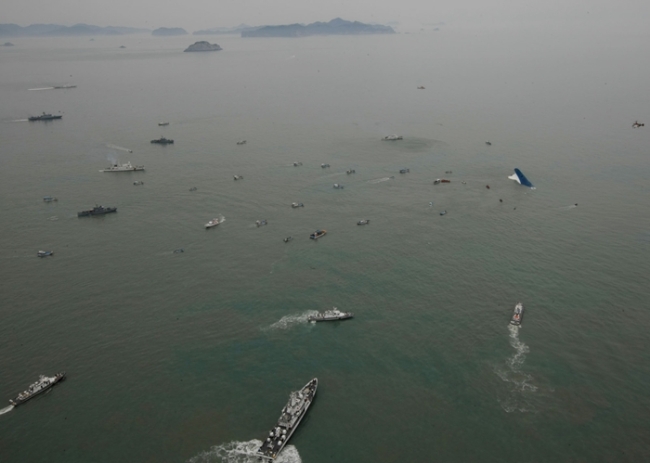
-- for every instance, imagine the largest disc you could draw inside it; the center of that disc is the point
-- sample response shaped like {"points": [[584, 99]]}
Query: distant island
{"points": [[203, 46], [336, 26], [224, 30], [169, 31], [55, 30]]}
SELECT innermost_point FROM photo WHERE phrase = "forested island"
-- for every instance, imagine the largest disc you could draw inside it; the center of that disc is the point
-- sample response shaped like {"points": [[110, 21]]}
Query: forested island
{"points": [[336, 26]]}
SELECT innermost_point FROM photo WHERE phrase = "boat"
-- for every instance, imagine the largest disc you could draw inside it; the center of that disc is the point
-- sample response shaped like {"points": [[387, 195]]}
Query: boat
{"points": [[43, 384], [441, 180], [521, 179], [239, 177], [638, 124], [488, 143], [363, 222], [241, 142], [97, 210], [44, 117], [138, 182], [297, 164], [163, 124], [393, 138], [421, 87], [448, 171], [259, 223], [44, 253], [318, 234], [404, 171], [49, 199], [350, 171], [163, 141], [126, 167], [518, 314], [443, 212], [338, 186], [215, 222], [292, 414], [193, 188], [287, 239], [330, 315], [65, 86], [295, 205], [179, 250], [324, 165]]}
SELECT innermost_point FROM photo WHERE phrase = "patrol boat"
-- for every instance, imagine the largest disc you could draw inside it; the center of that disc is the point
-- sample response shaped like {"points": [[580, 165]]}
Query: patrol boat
{"points": [[97, 210], [163, 141], [517, 315], [318, 234], [44, 117], [43, 384], [127, 167], [330, 315], [292, 414]]}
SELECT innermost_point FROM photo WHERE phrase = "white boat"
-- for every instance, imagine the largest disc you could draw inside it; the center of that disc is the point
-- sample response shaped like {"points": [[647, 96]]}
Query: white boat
{"points": [[295, 205], [330, 315], [393, 137], [127, 167], [239, 177], [215, 222], [517, 315]]}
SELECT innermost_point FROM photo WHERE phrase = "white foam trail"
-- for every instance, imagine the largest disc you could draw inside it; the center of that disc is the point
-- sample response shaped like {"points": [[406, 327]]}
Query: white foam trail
{"points": [[520, 382], [379, 180], [289, 321], [20, 120], [6, 409], [243, 452], [42, 88], [120, 148]]}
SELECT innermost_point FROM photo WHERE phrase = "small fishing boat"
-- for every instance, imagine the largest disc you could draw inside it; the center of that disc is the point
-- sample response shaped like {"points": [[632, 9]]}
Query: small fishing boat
{"points": [[214, 222], [259, 223], [241, 142], [338, 186], [163, 124], [443, 212], [324, 165], [297, 164], [239, 177], [404, 171], [350, 171], [287, 239], [44, 253], [441, 180], [363, 222], [318, 234], [295, 205], [393, 138], [49, 199]]}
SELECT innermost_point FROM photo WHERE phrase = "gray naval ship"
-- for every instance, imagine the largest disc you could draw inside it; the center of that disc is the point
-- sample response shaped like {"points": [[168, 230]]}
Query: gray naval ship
{"points": [[292, 414], [330, 315], [43, 384]]}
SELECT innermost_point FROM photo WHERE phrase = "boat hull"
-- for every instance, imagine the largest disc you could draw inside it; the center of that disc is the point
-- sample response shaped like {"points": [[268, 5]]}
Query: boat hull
{"points": [[271, 450], [316, 318], [17, 401], [518, 315]]}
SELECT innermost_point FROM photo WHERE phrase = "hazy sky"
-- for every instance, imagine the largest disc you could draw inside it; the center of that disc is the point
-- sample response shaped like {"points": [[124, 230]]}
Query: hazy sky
{"points": [[197, 14]]}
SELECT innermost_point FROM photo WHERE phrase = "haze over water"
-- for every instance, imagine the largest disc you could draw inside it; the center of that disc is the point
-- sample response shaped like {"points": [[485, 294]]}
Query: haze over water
{"points": [[177, 357]]}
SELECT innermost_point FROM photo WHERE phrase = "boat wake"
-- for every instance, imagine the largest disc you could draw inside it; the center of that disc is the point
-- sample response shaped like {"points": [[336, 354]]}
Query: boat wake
{"points": [[20, 120], [120, 148], [379, 180], [243, 452], [289, 321], [520, 383], [8, 409], [42, 88]]}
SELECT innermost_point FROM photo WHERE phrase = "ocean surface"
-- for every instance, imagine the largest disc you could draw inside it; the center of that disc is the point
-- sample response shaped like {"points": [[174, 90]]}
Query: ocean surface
{"points": [[189, 357]]}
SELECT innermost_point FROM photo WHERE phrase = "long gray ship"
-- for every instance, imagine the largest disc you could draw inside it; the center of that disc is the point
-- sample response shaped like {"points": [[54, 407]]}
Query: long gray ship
{"points": [[97, 210], [292, 414], [43, 384], [44, 117]]}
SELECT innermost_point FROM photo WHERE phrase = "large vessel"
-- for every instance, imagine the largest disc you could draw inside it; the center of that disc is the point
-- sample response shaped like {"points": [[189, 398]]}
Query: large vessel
{"points": [[330, 315], [518, 314], [163, 141], [97, 210], [44, 117], [127, 167], [43, 384], [292, 414]]}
